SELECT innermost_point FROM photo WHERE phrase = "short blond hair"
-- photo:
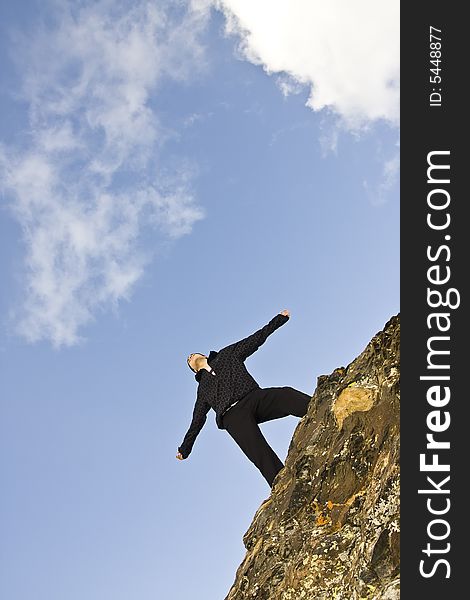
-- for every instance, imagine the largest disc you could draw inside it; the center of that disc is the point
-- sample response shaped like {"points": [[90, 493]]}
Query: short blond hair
{"points": [[192, 354]]}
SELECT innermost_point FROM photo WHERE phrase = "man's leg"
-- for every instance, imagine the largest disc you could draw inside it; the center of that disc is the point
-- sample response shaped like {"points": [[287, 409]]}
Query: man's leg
{"points": [[277, 402], [242, 426]]}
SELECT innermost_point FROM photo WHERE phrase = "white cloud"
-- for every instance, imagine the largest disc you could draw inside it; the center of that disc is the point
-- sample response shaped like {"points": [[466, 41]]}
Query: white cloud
{"points": [[88, 79], [346, 52]]}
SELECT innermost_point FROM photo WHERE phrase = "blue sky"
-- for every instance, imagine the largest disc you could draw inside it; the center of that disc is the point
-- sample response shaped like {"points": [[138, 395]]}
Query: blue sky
{"points": [[173, 176]]}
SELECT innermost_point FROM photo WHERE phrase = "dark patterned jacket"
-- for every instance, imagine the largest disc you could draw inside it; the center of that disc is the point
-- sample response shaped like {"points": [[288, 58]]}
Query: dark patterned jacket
{"points": [[229, 384]]}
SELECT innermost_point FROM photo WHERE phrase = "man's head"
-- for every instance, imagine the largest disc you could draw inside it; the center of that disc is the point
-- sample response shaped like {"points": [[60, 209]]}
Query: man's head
{"points": [[195, 361]]}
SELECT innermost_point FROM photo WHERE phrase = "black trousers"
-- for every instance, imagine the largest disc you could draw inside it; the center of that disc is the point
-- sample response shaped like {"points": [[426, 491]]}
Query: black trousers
{"points": [[258, 406]]}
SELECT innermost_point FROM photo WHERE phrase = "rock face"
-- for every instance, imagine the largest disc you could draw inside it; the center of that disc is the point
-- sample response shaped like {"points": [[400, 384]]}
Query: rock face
{"points": [[330, 528]]}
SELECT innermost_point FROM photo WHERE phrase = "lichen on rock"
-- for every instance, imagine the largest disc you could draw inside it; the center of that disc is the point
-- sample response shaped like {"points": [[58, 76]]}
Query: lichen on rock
{"points": [[352, 399], [330, 528]]}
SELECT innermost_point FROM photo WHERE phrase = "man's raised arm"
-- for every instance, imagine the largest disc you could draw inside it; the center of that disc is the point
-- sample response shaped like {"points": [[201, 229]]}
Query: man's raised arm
{"points": [[244, 348]]}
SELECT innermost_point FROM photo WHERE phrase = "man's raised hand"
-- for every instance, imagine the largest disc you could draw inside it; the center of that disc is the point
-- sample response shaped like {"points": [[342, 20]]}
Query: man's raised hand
{"points": [[285, 312]]}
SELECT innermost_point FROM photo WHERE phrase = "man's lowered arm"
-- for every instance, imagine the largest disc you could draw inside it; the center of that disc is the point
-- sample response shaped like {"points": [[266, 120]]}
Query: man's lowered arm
{"points": [[201, 408]]}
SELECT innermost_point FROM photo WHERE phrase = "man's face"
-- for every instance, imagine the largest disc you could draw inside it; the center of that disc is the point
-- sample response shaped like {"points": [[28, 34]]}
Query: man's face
{"points": [[195, 359]]}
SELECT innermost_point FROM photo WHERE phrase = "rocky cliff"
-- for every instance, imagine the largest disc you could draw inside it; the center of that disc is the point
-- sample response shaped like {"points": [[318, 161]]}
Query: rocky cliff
{"points": [[330, 528]]}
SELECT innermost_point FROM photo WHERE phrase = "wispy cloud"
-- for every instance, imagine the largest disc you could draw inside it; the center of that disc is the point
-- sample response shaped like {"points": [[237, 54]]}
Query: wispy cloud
{"points": [[86, 184], [346, 53], [378, 192]]}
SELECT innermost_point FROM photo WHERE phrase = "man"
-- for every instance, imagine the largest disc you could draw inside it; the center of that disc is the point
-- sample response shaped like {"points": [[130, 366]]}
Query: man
{"points": [[239, 402]]}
